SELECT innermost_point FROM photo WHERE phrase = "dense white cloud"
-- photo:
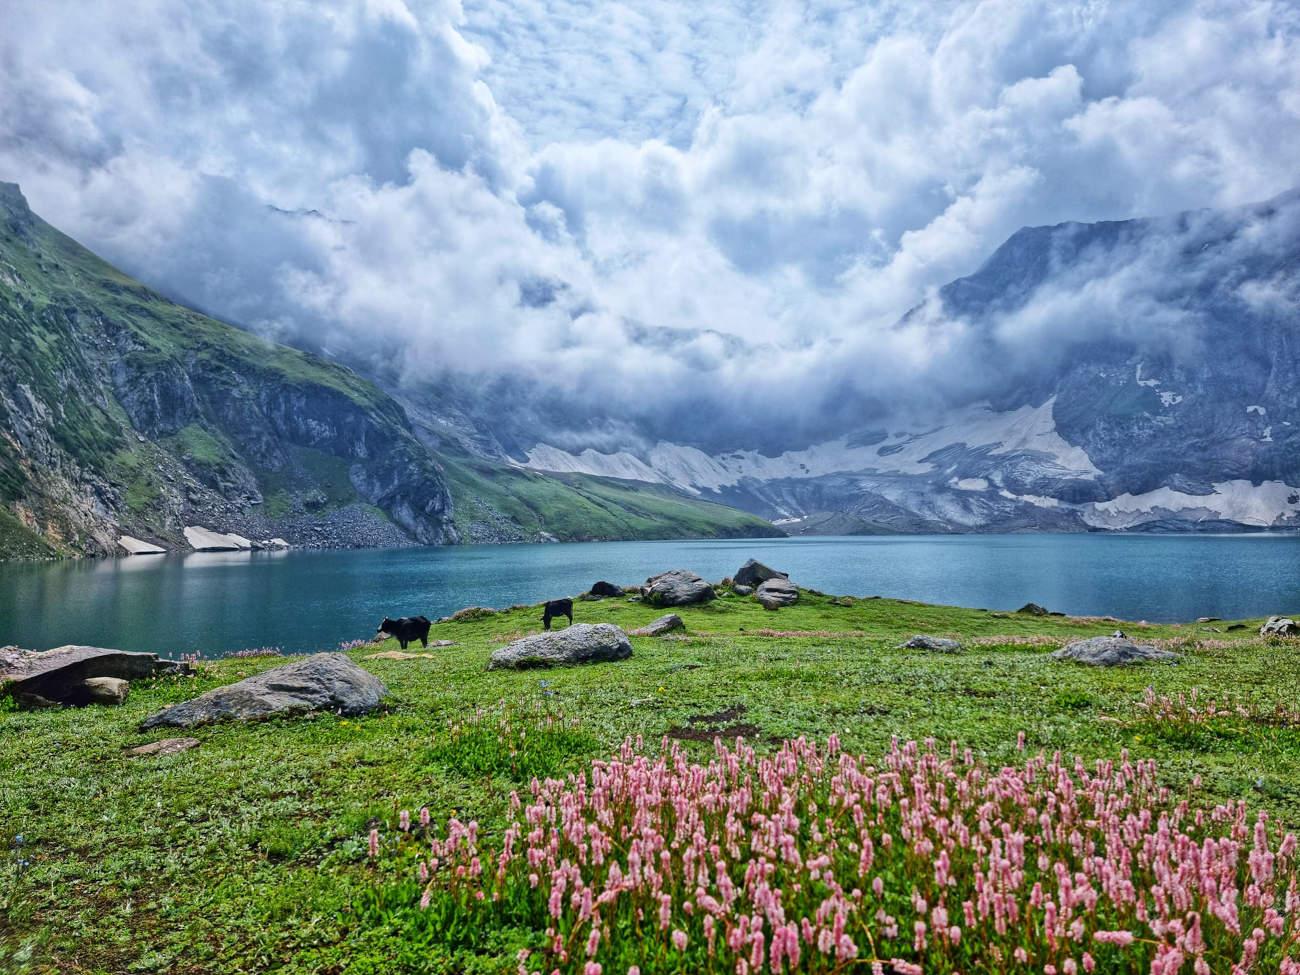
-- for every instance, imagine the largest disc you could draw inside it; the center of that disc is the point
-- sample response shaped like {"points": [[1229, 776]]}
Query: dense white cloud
{"points": [[526, 188]]}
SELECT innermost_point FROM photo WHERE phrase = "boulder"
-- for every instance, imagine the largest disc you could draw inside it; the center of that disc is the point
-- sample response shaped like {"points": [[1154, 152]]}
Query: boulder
{"points": [[1280, 626], [742, 590], [664, 624], [677, 587], [1111, 651], [134, 546], [937, 644], [1208, 619], [777, 592], [59, 676], [166, 746], [752, 573], [580, 643], [1033, 609], [604, 588], [107, 690], [323, 682]]}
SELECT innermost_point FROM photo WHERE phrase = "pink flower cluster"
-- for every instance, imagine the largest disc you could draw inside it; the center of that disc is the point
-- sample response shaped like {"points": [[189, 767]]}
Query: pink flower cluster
{"points": [[816, 860], [259, 652]]}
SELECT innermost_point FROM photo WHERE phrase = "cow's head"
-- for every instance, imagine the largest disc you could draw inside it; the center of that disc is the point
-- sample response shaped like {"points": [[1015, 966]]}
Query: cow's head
{"points": [[385, 628]]}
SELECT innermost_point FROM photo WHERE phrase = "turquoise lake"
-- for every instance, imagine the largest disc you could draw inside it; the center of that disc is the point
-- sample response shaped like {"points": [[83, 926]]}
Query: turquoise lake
{"points": [[300, 601]]}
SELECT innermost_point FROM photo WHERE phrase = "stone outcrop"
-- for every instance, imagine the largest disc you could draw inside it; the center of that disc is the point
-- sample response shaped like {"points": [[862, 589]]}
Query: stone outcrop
{"points": [[664, 624], [604, 589], [932, 643], [580, 643], [323, 682], [61, 675], [1280, 626], [1033, 609], [1111, 651], [753, 573], [677, 587], [777, 592]]}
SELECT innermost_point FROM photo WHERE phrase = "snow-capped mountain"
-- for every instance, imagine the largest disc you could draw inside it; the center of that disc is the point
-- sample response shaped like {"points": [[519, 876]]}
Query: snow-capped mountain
{"points": [[1147, 377]]}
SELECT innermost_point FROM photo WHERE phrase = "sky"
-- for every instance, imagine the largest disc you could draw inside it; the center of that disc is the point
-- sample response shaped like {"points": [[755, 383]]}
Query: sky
{"points": [[665, 206]]}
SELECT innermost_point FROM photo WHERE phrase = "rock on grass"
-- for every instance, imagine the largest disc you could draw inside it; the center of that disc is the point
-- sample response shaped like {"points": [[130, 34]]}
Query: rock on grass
{"points": [[580, 643], [1112, 651]]}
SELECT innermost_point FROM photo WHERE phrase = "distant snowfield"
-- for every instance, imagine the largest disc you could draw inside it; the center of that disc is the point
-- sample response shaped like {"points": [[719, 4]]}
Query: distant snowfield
{"points": [[1029, 429], [1260, 505]]}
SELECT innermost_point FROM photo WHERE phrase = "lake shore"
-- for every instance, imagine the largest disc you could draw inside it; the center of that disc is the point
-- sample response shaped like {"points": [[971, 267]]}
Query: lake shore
{"points": [[249, 852]]}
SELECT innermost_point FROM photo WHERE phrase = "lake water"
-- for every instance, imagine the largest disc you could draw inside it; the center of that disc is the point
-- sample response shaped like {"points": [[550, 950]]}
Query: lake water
{"points": [[312, 600]]}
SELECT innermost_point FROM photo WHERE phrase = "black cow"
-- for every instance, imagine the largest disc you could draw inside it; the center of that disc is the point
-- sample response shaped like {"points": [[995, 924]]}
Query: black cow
{"points": [[554, 609], [407, 630]]}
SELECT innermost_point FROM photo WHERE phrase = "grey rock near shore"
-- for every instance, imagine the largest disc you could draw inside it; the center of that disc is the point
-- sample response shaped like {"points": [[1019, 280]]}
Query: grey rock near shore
{"points": [[677, 587], [742, 590], [1110, 651], [323, 682], [62, 675], [580, 643], [934, 643], [1280, 626], [777, 592], [752, 573], [664, 624]]}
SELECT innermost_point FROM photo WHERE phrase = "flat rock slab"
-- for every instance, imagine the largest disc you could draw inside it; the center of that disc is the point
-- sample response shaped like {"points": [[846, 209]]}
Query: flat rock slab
{"points": [[1112, 651], [664, 624], [323, 682], [677, 587], [400, 655], [752, 573], [580, 643], [167, 746], [933, 643], [777, 592], [59, 676]]}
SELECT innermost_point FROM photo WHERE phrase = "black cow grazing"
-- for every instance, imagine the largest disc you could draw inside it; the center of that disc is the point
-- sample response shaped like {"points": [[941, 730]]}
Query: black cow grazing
{"points": [[554, 609], [407, 630]]}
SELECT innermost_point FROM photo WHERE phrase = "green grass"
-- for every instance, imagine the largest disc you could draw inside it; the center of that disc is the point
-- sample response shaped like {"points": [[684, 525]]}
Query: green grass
{"points": [[247, 854], [579, 507]]}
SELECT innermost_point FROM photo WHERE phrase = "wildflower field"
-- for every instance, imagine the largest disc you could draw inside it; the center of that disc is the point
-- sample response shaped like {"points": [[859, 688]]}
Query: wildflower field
{"points": [[763, 792]]}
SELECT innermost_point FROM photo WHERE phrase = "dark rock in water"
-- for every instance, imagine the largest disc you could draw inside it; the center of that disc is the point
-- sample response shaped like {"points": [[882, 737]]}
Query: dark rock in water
{"points": [[107, 690], [323, 682], [581, 643], [934, 643], [677, 587], [777, 592], [604, 588], [744, 590], [59, 676], [664, 624], [1110, 651], [753, 573], [1280, 626], [1033, 609]]}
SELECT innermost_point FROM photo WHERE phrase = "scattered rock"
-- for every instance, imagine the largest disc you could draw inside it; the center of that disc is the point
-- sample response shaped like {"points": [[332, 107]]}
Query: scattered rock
{"points": [[753, 573], [59, 676], [1280, 626], [134, 546], [664, 624], [322, 682], [1120, 634], [777, 592], [107, 690], [1110, 651], [1033, 609], [581, 643], [677, 587], [1209, 619], [166, 746], [744, 590], [937, 644]]}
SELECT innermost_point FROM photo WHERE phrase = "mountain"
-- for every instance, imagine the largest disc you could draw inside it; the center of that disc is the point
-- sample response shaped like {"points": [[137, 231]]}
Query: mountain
{"points": [[1125, 375], [124, 413]]}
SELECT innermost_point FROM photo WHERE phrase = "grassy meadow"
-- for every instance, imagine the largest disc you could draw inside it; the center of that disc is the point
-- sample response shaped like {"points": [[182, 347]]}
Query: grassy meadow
{"points": [[250, 852]]}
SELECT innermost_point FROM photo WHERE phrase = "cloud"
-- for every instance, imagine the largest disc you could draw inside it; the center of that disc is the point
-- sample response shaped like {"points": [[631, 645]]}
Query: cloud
{"points": [[709, 216]]}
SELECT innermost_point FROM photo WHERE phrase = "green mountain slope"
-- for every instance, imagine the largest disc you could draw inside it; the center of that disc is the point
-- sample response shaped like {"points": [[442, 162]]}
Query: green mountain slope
{"points": [[122, 412]]}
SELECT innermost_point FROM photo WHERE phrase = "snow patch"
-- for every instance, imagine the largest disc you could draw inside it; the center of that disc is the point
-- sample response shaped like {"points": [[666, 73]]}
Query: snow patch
{"points": [[1169, 399], [1241, 501], [969, 484], [1254, 408]]}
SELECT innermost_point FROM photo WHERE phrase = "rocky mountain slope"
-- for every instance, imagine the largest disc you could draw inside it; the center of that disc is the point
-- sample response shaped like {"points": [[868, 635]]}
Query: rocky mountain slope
{"points": [[123, 413], [1147, 379]]}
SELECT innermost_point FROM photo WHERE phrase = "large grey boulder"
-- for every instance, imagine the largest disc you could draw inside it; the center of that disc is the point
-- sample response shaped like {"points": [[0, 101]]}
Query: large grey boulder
{"points": [[59, 676], [1112, 651], [1280, 626], [664, 624], [934, 643], [777, 592], [677, 587], [752, 573], [580, 643], [323, 682]]}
